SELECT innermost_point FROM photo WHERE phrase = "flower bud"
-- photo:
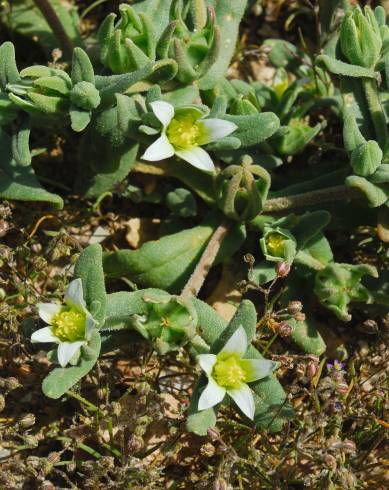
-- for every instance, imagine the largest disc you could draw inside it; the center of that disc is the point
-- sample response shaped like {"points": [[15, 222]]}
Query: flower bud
{"points": [[27, 421], [342, 387], [220, 484], [294, 307], [53, 457], [360, 38], [284, 329], [349, 446], [31, 440], [278, 245], [2, 403], [12, 383], [207, 450], [4, 227], [282, 269], [242, 190], [213, 434], [311, 370], [369, 326], [299, 317]]}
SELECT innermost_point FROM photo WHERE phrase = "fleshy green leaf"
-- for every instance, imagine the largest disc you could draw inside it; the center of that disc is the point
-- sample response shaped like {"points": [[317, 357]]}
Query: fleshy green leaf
{"points": [[89, 268], [19, 182], [60, 380]]}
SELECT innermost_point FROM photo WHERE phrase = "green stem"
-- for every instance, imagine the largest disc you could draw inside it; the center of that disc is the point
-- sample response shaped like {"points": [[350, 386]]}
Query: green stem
{"points": [[377, 114], [329, 194], [54, 22]]}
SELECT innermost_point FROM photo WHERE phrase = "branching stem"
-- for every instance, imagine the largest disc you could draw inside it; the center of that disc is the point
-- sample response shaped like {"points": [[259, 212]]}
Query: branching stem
{"points": [[56, 25], [198, 276]]}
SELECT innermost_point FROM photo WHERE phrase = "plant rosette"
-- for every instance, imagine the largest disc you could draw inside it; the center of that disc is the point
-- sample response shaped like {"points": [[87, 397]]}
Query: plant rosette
{"points": [[184, 131], [228, 372], [70, 324]]}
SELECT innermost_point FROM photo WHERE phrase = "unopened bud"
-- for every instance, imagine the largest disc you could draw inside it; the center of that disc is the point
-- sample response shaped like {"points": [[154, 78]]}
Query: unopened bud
{"points": [[27, 421], [31, 440], [294, 307], [311, 370], [4, 227], [53, 457], [207, 450], [213, 433], [349, 446], [369, 326], [220, 484], [284, 329], [385, 323], [2, 403], [330, 461], [135, 444], [282, 269], [47, 485], [342, 387], [3, 294], [12, 383], [299, 317]]}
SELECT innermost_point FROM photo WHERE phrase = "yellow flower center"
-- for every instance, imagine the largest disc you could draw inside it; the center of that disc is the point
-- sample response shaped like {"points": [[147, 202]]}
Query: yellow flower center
{"points": [[229, 371], [275, 244], [69, 325], [185, 132]]}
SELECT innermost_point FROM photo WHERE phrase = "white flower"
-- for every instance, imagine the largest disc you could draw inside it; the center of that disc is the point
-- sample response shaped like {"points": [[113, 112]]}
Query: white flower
{"points": [[70, 324], [184, 131], [228, 373]]}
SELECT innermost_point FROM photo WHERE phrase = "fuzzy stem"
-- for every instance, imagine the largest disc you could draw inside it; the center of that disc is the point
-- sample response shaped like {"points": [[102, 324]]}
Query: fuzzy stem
{"points": [[54, 22], [198, 276], [330, 194], [376, 112]]}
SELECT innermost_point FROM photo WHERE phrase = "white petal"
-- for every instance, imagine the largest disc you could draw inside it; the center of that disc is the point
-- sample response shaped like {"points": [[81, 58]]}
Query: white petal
{"points": [[90, 326], [66, 351], [207, 361], [218, 128], [211, 396], [163, 111], [75, 295], [159, 150], [260, 368], [237, 343], [46, 311], [243, 397], [44, 335], [197, 157]]}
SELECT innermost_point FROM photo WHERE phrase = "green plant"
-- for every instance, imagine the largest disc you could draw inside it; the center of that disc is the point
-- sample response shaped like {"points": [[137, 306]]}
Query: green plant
{"points": [[157, 102]]}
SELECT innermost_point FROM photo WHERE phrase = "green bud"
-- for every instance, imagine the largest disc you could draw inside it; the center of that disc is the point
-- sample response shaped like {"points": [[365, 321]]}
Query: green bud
{"points": [[339, 284], [278, 245], [366, 158], [128, 45], [169, 323], [360, 38], [242, 190], [85, 96], [195, 51]]}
